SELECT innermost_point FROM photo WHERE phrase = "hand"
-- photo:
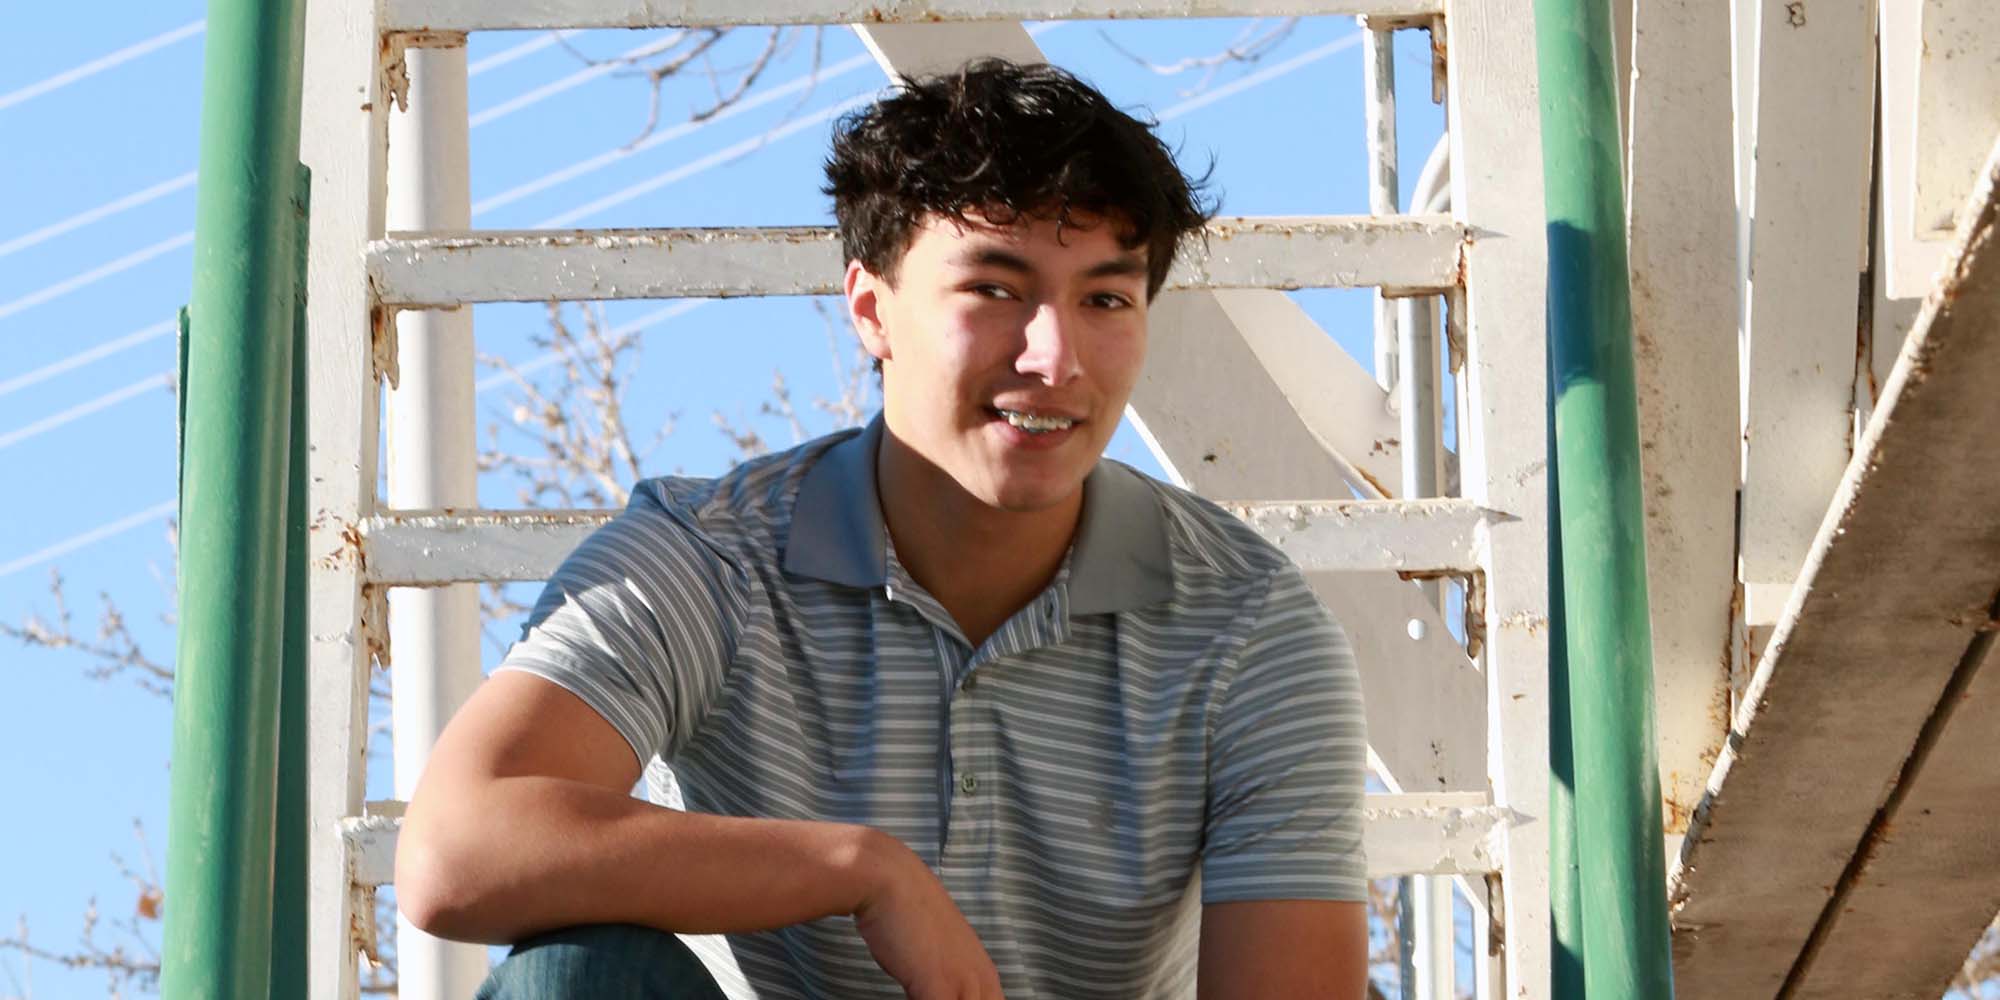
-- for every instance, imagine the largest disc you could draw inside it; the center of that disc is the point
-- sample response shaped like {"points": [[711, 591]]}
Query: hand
{"points": [[917, 934]]}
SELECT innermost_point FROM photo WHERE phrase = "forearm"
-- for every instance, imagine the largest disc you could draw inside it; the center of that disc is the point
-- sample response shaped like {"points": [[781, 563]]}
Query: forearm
{"points": [[520, 855]]}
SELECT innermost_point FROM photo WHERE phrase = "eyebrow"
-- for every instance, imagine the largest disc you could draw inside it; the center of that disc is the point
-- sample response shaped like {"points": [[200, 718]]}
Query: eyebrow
{"points": [[1120, 266]]}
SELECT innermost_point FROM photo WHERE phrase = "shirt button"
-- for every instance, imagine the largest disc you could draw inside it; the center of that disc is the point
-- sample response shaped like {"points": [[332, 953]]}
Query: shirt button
{"points": [[971, 681], [967, 783], [1049, 611]]}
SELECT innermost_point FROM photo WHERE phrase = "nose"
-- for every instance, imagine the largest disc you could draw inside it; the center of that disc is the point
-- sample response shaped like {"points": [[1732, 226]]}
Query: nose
{"points": [[1049, 352]]}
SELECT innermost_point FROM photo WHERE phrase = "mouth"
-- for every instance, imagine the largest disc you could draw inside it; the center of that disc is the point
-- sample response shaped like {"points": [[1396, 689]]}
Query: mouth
{"points": [[1033, 423]]}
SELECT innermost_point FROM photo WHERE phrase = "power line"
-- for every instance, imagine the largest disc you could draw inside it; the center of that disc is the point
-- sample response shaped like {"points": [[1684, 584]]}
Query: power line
{"points": [[74, 282], [539, 184], [104, 211], [616, 153], [131, 521], [719, 158], [186, 180], [100, 64], [1264, 75], [505, 56], [81, 358], [131, 260], [728, 153], [75, 542], [81, 410], [570, 82]]}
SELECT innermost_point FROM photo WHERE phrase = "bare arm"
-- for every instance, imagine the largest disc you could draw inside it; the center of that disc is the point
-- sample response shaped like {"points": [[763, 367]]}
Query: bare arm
{"points": [[1283, 950], [523, 822]]}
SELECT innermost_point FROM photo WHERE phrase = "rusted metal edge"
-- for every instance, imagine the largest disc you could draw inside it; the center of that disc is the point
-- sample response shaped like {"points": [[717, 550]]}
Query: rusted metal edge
{"points": [[499, 15], [1411, 254], [436, 548]]}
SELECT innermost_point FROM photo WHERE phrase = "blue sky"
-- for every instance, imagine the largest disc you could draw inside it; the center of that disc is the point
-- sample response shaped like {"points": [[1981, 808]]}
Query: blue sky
{"points": [[95, 202]]}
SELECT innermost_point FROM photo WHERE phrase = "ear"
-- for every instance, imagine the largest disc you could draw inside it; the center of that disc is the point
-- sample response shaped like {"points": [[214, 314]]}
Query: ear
{"points": [[865, 292]]}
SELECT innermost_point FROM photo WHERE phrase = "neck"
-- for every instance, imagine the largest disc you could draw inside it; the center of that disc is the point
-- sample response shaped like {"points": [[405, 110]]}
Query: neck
{"points": [[983, 564]]}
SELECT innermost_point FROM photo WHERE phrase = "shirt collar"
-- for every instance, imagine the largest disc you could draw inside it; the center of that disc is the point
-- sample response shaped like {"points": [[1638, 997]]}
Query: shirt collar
{"points": [[1119, 562]]}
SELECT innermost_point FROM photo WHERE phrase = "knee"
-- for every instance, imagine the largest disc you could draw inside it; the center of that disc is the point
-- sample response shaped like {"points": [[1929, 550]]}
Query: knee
{"points": [[602, 960]]}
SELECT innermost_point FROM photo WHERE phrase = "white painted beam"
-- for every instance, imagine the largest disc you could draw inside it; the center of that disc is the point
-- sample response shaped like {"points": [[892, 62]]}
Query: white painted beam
{"points": [[1223, 425], [1850, 817], [430, 548], [1335, 398], [1439, 834], [345, 148], [1438, 536], [1226, 422], [1958, 108], [500, 15], [1809, 198], [1932, 883], [913, 50], [1909, 259], [440, 270], [1496, 190], [1682, 233]]}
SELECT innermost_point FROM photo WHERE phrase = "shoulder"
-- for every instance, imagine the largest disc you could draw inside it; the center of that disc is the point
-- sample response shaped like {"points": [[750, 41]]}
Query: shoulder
{"points": [[746, 510], [1208, 543]]}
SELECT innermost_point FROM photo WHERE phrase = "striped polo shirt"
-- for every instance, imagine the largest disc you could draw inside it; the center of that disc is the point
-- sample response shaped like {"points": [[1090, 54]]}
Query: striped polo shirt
{"points": [[1175, 720]]}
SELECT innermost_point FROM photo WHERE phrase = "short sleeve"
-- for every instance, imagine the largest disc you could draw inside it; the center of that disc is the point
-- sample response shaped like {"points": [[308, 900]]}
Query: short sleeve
{"points": [[639, 622], [1287, 757]]}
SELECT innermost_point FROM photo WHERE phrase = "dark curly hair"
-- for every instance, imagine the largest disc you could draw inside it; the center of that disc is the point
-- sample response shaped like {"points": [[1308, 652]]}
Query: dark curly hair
{"points": [[1005, 141]]}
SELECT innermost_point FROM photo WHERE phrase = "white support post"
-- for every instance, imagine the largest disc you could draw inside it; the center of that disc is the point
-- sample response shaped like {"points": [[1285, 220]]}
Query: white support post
{"points": [[1958, 108], [1496, 189], [1436, 977], [1907, 257], [434, 631], [1682, 234], [1808, 194], [1378, 95], [346, 111]]}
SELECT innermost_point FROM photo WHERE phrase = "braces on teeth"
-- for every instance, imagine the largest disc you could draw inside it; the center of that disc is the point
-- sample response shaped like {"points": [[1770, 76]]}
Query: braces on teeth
{"points": [[1036, 424]]}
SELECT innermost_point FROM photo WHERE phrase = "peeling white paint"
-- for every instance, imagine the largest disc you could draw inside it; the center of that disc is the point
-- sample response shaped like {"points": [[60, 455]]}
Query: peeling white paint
{"points": [[431, 548], [1446, 834], [438, 269], [494, 15]]}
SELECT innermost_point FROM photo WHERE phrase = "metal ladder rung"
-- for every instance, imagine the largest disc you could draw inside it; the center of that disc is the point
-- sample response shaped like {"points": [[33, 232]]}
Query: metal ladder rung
{"points": [[1449, 833], [417, 548], [444, 270], [499, 15]]}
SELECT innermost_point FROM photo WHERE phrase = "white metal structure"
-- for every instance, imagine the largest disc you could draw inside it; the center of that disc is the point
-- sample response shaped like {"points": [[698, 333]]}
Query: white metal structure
{"points": [[1243, 400], [434, 630]]}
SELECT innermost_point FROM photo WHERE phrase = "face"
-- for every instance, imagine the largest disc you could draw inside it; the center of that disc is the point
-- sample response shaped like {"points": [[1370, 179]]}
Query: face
{"points": [[1007, 353]]}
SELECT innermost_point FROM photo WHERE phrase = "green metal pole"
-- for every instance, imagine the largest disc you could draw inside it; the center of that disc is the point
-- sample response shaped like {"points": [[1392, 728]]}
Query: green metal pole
{"points": [[217, 940], [1605, 636], [288, 923], [1565, 891]]}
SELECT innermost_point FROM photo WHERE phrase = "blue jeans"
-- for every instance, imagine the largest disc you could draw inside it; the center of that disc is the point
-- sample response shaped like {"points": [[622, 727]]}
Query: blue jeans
{"points": [[601, 960]]}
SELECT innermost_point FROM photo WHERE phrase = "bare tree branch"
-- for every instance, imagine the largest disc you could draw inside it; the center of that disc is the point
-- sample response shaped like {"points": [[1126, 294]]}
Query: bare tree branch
{"points": [[674, 54], [113, 651], [1254, 42]]}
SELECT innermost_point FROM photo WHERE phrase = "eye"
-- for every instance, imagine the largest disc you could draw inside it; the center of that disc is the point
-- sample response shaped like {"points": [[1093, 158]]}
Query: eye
{"points": [[1109, 300], [991, 290]]}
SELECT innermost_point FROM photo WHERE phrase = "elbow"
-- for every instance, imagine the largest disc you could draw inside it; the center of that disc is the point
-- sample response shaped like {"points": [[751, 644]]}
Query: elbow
{"points": [[433, 889]]}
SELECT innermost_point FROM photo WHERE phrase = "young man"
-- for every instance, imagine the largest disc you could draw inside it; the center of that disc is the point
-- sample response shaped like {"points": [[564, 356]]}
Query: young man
{"points": [[957, 708]]}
